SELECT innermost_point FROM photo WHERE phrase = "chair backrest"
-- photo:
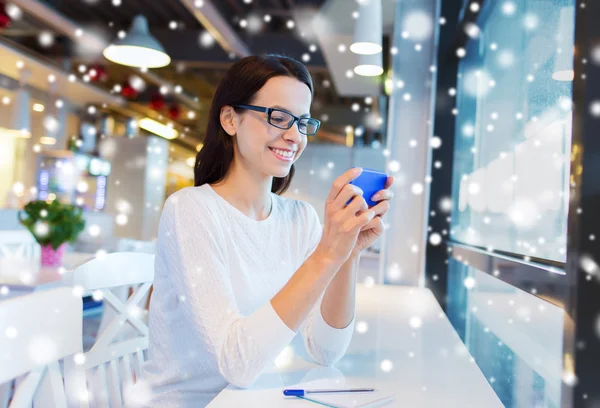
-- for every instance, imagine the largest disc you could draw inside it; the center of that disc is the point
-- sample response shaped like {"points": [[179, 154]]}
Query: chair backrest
{"points": [[113, 364], [37, 331], [134, 245], [18, 243]]}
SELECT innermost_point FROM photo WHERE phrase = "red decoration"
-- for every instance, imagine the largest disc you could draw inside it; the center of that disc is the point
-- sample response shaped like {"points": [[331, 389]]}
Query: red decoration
{"points": [[174, 111], [98, 73], [157, 102], [5, 19], [128, 91]]}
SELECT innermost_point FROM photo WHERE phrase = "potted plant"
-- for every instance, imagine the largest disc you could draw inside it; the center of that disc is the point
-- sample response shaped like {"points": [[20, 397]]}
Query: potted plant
{"points": [[53, 224]]}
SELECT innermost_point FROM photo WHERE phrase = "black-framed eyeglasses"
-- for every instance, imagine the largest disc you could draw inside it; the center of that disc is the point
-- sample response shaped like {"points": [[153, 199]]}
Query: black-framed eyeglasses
{"points": [[284, 120]]}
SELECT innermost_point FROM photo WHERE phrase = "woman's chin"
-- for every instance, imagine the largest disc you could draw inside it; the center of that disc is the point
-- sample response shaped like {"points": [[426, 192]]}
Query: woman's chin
{"points": [[280, 172]]}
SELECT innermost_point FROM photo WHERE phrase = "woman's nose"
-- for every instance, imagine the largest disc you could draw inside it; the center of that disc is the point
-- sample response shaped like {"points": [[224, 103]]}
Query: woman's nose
{"points": [[293, 134]]}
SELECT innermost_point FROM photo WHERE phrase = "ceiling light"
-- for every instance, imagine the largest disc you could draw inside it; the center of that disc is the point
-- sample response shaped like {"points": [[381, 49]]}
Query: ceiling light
{"points": [[368, 70], [46, 140], [38, 107], [563, 56], [191, 161], [369, 65], [139, 48], [368, 28], [158, 128], [565, 75]]}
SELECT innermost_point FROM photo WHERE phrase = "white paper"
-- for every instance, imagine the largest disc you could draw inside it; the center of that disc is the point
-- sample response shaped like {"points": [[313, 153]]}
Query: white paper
{"points": [[353, 399]]}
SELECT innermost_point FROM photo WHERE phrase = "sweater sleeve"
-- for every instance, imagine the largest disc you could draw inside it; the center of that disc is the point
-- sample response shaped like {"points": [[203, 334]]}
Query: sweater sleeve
{"points": [[324, 343], [189, 241]]}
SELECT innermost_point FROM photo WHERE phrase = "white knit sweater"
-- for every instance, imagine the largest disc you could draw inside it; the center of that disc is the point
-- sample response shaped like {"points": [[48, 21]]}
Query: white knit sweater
{"points": [[211, 320]]}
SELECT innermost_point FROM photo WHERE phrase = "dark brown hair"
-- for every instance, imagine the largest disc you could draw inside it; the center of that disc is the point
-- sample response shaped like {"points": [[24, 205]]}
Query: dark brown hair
{"points": [[238, 87]]}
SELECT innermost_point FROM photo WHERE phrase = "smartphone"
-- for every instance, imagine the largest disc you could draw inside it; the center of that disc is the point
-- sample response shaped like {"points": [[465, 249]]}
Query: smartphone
{"points": [[370, 181]]}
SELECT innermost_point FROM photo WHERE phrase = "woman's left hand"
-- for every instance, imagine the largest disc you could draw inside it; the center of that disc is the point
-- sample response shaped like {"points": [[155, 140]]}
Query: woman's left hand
{"points": [[370, 232]]}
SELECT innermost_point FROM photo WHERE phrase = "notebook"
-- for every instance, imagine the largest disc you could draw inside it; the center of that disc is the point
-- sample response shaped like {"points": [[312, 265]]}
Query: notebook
{"points": [[352, 399]]}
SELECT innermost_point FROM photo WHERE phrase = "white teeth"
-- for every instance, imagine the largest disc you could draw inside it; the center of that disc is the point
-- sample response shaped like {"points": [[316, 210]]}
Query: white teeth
{"points": [[283, 153]]}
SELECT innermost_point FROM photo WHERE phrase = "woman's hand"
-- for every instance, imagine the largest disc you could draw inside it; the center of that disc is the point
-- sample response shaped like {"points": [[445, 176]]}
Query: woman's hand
{"points": [[343, 222], [370, 232]]}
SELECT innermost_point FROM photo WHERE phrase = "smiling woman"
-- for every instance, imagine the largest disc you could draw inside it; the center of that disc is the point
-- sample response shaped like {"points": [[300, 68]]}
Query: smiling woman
{"points": [[240, 270], [261, 79]]}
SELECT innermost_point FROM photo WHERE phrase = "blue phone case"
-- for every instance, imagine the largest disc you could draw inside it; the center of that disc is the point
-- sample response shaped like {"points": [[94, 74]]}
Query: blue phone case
{"points": [[370, 182]]}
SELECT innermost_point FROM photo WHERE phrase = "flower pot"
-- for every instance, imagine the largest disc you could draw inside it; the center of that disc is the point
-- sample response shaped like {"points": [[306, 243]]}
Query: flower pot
{"points": [[52, 257]]}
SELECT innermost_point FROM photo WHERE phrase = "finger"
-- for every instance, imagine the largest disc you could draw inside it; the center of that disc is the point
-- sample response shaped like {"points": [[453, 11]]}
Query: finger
{"points": [[357, 205], [376, 224], [382, 208], [363, 219], [341, 181], [390, 180], [383, 195], [348, 193]]}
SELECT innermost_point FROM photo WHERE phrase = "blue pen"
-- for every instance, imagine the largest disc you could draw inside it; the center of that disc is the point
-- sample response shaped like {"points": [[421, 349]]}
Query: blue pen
{"points": [[290, 392]]}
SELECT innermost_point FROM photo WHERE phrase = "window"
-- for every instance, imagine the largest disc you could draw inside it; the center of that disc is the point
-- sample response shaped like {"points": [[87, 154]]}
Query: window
{"points": [[513, 129], [514, 337]]}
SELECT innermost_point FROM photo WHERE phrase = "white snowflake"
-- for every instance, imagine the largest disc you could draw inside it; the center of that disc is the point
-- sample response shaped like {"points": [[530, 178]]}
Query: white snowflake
{"points": [[469, 282], [418, 25], [435, 239], [386, 365], [361, 327], [415, 322]]}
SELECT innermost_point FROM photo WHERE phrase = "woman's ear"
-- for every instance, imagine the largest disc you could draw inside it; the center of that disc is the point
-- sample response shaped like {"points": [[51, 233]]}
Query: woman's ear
{"points": [[228, 120]]}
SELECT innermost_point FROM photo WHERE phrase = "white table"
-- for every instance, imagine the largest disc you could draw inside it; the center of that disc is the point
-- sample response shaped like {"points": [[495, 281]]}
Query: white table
{"points": [[403, 344], [27, 275]]}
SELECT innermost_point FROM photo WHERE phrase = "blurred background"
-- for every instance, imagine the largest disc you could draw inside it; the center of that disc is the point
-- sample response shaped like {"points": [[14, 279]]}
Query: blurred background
{"points": [[118, 139], [480, 109]]}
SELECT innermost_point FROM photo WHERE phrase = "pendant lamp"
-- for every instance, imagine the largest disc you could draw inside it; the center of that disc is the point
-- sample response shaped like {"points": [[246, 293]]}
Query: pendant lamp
{"points": [[368, 29], [563, 57], [369, 65], [139, 48]]}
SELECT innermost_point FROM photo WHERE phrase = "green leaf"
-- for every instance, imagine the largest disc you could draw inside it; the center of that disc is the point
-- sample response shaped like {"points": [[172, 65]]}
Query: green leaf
{"points": [[65, 221]]}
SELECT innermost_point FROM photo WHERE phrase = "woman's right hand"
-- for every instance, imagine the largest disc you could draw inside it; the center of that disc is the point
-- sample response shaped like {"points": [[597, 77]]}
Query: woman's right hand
{"points": [[342, 225]]}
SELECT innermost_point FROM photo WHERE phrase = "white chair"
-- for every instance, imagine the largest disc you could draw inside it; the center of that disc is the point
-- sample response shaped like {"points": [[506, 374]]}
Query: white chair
{"points": [[18, 243], [114, 362], [37, 331], [122, 292]]}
